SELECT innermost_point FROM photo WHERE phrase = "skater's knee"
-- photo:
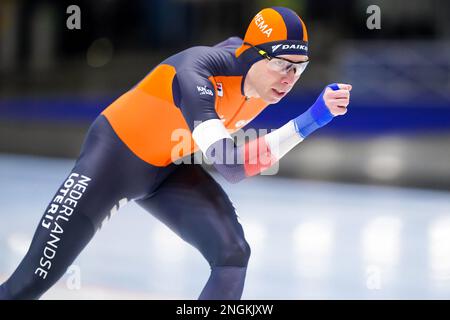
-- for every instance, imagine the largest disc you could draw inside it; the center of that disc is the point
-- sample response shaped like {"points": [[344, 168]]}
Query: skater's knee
{"points": [[233, 254]]}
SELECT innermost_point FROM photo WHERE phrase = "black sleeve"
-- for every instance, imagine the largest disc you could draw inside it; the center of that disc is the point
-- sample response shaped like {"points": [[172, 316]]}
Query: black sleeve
{"points": [[196, 97]]}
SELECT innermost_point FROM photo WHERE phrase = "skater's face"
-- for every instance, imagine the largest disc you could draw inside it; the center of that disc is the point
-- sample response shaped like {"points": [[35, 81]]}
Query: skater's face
{"points": [[272, 79]]}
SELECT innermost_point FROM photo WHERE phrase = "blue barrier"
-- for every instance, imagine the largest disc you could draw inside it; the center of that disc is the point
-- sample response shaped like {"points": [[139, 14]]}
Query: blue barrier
{"points": [[362, 118], [53, 109]]}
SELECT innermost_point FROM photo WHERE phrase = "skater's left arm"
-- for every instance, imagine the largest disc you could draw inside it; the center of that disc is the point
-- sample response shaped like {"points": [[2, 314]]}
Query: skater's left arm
{"points": [[236, 163]]}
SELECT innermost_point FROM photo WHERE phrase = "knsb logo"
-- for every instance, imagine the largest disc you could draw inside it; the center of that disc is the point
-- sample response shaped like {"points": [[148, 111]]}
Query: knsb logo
{"points": [[289, 46], [219, 89], [204, 90]]}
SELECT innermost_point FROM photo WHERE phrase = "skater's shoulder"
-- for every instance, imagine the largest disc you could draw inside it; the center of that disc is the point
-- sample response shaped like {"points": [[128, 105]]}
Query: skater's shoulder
{"points": [[208, 60]]}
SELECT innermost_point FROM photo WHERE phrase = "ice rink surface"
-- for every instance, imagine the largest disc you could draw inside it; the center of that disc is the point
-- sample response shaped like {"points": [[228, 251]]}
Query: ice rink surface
{"points": [[310, 240]]}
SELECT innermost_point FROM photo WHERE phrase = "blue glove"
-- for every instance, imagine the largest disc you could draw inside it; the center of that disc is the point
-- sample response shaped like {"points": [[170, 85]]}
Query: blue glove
{"points": [[316, 116]]}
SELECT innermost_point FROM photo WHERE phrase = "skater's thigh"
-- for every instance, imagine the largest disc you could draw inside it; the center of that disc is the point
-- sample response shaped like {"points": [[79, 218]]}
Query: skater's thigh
{"points": [[195, 206]]}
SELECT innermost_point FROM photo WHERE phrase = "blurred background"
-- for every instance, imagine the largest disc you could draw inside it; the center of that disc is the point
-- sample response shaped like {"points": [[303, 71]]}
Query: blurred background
{"points": [[361, 209]]}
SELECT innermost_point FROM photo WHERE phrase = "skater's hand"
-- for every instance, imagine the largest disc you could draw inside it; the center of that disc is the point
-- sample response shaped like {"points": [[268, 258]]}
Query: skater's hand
{"points": [[337, 98], [333, 101]]}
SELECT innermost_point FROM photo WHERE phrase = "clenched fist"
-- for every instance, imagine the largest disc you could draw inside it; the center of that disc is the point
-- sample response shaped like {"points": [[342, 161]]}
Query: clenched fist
{"points": [[336, 99], [333, 101]]}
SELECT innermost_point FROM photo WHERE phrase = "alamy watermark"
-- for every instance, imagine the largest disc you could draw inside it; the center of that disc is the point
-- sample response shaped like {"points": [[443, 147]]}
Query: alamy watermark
{"points": [[256, 152], [374, 19], [73, 281], [74, 20], [374, 279]]}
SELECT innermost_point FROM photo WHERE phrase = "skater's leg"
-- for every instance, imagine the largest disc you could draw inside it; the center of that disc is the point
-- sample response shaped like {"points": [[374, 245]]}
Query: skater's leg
{"points": [[194, 205]]}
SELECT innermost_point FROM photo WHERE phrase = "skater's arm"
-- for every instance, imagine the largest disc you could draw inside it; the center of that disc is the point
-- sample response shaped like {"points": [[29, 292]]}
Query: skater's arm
{"points": [[237, 163], [233, 162]]}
